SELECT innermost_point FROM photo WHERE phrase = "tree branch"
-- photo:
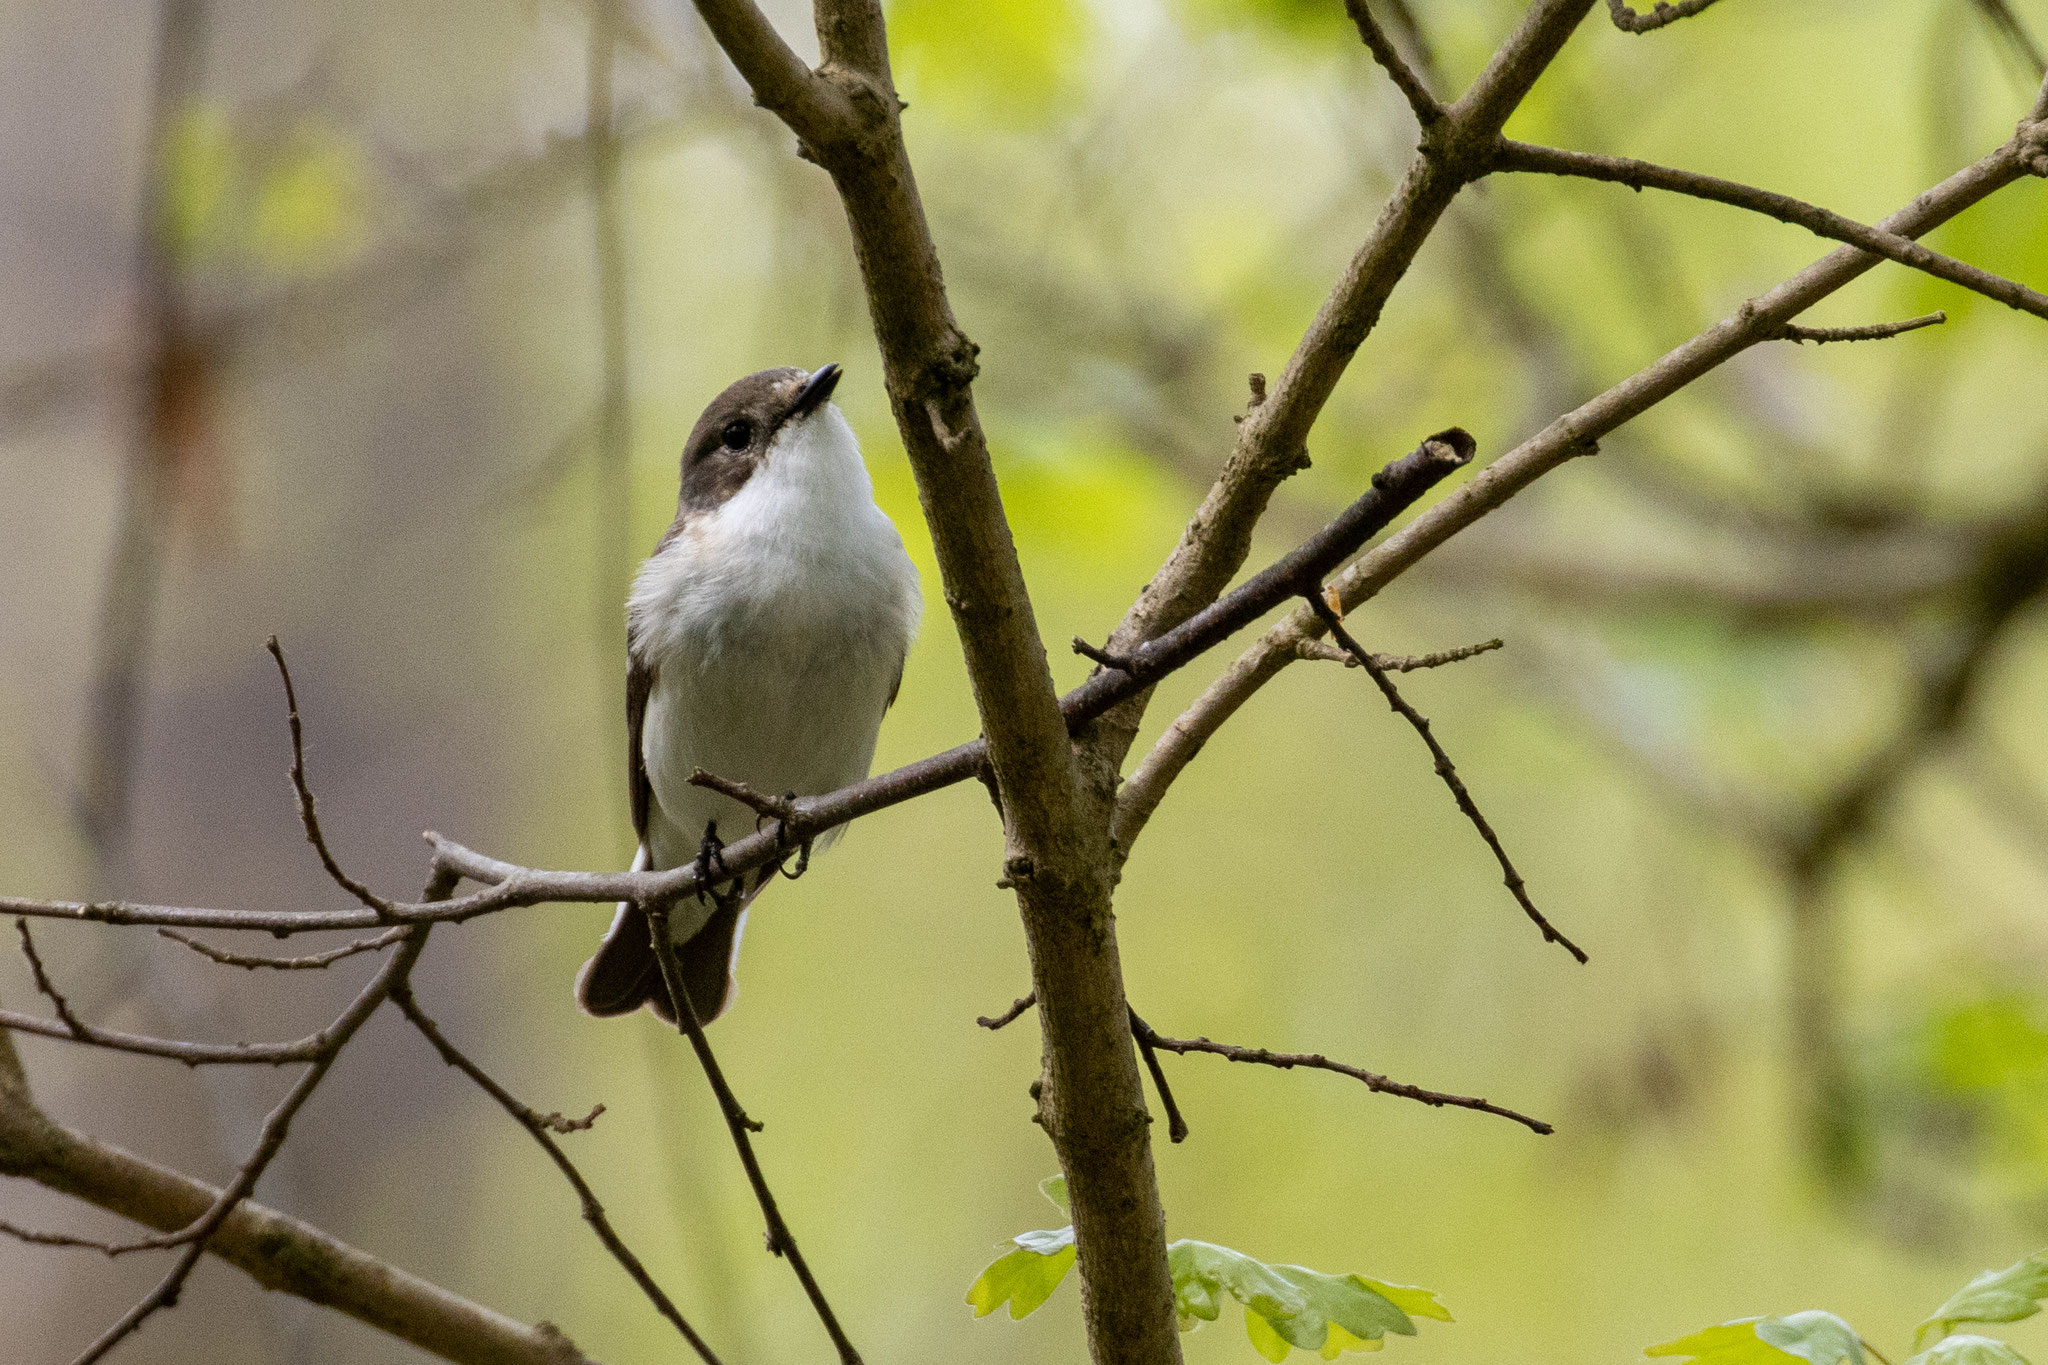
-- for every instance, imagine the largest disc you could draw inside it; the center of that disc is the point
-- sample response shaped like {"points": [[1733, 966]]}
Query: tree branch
{"points": [[1662, 13], [1876, 331], [780, 1241], [1574, 434], [277, 1251], [1522, 156], [1427, 109], [1446, 770], [542, 1128]]}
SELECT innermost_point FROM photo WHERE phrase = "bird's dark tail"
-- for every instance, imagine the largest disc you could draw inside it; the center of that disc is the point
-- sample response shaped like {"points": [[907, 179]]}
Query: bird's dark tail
{"points": [[623, 974]]}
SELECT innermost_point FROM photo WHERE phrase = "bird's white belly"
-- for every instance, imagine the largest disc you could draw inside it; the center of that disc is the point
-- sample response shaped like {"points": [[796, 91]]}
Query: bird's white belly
{"points": [[792, 710]]}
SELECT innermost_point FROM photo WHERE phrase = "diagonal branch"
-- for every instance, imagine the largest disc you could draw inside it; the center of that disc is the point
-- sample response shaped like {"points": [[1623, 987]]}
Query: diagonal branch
{"points": [[309, 815], [780, 1241], [1509, 155], [275, 1250], [193, 1237], [1445, 769], [543, 1128], [1427, 109], [1572, 435]]}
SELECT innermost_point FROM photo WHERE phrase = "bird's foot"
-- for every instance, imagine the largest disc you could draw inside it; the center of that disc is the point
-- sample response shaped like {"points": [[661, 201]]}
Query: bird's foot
{"points": [[711, 868]]}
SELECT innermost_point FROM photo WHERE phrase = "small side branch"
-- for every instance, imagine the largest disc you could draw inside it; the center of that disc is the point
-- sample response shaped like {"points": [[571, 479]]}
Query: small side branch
{"points": [[1447, 771], [1662, 13], [542, 1128], [1378, 1084], [310, 962], [1509, 155], [1394, 663], [780, 1242], [1010, 1015], [308, 812], [48, 987], [1147, 1040], [1427, 110], [1876, 331]]}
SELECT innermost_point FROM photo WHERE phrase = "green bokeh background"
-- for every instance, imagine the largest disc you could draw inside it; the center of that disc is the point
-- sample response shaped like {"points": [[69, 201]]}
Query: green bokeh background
{"points": [[1138, 203]]}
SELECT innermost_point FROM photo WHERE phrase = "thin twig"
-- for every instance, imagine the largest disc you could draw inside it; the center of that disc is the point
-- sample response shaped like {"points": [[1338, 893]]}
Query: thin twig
{"points": [[48, 987], [1876, 331], [1010, 1015], [193, 1237], [311, 962], [1394, 663], [1509, 155], [1428, 111], [1147, 1040], [173, 1049], [1628, 21], [780, 1242], [1447, 771], [542, 1128], [55, 1239], [1374, 1082], [308, 813]]}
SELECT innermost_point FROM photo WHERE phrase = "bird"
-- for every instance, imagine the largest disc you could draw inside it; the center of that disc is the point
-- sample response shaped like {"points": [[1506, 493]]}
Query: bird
{"points": [[765, 638]]}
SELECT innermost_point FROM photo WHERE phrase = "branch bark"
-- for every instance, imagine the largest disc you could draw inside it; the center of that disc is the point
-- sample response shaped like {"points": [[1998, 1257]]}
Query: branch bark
{"points": [[277, 1251]]}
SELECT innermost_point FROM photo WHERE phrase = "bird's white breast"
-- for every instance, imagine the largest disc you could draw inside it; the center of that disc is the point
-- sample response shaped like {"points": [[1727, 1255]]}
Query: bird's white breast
{"points": [[776, 626]]}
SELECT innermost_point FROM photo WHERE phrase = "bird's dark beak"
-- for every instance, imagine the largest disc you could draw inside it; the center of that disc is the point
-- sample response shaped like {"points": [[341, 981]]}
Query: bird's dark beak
{"points": [[816, 391]]}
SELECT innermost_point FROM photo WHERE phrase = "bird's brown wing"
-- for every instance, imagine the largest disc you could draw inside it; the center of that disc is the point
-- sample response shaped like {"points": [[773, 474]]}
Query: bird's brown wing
{"points": [[623, 974]]}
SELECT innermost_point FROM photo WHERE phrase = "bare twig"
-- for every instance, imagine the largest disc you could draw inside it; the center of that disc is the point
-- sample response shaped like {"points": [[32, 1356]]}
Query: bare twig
{"points": [[1876, 331], [1394, 663], [1427, 109], [311, 962], [1509, 155], [1147, 1040], [1373, 1080], [309, 815], [542, 1128], [72, 1023], [1010, 1015], [780, 1241], [1662, 13], [1568, 437], [193, 1237], [1447, 771]]}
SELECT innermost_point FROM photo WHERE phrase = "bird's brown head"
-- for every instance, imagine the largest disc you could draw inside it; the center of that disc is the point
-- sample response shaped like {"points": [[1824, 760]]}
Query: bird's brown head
{"points": [[732, 438]]}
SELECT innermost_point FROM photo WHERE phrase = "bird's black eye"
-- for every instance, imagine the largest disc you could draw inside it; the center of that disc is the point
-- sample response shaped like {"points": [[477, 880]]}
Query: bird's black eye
{"points": [[738, 434]]}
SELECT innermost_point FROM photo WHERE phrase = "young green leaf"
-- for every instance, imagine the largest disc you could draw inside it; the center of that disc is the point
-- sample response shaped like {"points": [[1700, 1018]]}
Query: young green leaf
{"points": [[1025, 1277], [1968, 1350], [1054, 1187], [1813, 1336], [1995, 1296]]}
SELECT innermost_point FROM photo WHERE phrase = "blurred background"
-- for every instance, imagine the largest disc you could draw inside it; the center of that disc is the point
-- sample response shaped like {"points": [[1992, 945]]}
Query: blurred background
{"points": [[380, 326]]}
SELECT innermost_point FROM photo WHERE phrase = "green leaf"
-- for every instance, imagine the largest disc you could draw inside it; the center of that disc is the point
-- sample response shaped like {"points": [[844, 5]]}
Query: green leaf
{"points": [[1813, 1336], [1968, 1350], [1201, 1269], [1416, 1303], [1054, 1187], [1288, 1306], [1995, 1296], [1027, 1276]]}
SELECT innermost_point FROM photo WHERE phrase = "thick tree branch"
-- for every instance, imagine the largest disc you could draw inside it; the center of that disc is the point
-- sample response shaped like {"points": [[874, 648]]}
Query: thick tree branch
{"points": [[277, 1251]]}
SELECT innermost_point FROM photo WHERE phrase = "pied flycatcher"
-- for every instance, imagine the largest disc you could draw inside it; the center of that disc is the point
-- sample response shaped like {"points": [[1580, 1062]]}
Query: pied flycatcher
{"points": [[765, 637]]}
